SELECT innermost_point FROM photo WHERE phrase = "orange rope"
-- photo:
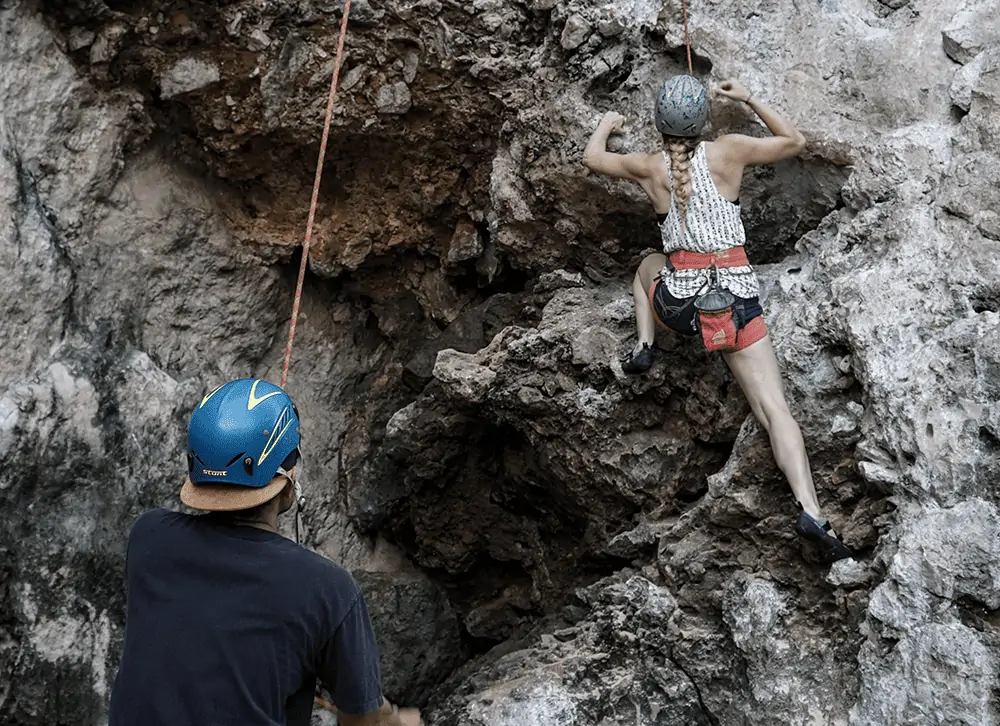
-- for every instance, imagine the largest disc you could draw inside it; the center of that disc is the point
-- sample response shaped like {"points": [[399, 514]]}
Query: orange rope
{"points": [[323, 704], [315, 193], [687, 37]]}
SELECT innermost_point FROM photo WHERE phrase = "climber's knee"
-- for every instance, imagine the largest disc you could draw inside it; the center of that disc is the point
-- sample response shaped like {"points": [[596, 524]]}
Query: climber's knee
{"points": [[649, 268], [773, 413]]}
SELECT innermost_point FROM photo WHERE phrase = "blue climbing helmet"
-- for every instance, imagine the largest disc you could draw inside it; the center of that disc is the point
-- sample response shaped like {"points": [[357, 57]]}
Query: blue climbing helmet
{"points": [[241, 433], [681, 107]]}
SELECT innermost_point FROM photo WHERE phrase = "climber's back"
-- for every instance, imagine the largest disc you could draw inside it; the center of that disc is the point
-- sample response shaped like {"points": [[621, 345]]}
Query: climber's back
{"points": [[713, 168], [699, 217]]}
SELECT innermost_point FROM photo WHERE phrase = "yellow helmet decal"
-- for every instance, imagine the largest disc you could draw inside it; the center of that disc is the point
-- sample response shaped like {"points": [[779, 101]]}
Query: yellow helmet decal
{"points": [[254, 401], [284, 421], [205, 399]]}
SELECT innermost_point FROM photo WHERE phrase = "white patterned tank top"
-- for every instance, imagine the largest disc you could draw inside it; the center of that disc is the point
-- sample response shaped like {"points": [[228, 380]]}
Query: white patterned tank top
{"points": [[712, 224]]}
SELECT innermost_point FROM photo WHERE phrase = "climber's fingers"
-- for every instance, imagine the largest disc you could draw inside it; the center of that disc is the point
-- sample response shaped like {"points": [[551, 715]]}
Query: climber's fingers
{"points": [[732, 88], [613, 120]]}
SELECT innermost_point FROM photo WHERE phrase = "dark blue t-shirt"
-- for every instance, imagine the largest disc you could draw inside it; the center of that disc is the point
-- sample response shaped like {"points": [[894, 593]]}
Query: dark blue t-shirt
{"points": [[229, 624]]}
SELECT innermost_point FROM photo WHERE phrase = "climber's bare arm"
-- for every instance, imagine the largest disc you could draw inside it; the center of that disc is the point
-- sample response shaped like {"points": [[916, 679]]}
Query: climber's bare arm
{"points": [[786, 142], [597, 158]]}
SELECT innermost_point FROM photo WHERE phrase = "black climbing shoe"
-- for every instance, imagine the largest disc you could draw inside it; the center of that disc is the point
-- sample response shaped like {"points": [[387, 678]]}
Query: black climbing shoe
{"points": [[639, 361], [819, 534]]}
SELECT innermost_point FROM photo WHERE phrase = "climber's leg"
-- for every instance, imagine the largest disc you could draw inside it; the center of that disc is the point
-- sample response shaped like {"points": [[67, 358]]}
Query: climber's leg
{"points": [[645, 277], [756, 370]]}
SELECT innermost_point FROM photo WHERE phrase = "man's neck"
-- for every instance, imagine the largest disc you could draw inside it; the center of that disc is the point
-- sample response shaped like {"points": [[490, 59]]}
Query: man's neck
{"points": [[257, 523], [266, 519]]}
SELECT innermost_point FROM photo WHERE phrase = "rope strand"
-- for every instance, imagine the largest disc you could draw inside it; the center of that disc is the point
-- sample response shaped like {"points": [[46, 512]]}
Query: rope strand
{"points": [[315, 193], [687, 37], [324, 704]]}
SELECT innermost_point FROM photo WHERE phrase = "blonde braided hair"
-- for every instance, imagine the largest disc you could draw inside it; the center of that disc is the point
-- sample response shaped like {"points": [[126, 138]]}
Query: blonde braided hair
{"points": [[680, 150]]}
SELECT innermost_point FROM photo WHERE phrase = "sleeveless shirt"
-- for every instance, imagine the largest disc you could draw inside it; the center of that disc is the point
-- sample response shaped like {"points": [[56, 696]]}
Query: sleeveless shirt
{"points": [[712, 224]]}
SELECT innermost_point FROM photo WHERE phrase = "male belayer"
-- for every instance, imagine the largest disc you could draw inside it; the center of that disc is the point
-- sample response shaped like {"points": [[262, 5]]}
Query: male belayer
{"points": [[229, 622]]}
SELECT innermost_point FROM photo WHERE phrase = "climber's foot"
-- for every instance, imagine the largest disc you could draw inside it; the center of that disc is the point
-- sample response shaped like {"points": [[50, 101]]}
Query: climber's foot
{"points": [[822, 536], [640, 361]]}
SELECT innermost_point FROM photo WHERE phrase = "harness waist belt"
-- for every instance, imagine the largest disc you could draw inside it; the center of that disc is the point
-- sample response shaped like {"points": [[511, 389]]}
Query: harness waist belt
{"points": [[687, 260]]}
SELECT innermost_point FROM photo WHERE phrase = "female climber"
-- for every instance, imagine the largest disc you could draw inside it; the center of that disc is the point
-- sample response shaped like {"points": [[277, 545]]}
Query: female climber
{"points": [[703, 285]]}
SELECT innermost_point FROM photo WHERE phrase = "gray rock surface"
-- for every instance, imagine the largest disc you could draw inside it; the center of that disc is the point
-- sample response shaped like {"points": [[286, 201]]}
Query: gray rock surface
{"points": [[417, 631], [616, 666], [188, 74], [589, 548], [974, 28]]}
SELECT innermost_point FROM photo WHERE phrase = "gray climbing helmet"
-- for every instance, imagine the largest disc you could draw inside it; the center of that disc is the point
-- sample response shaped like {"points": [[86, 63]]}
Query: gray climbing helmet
{"points": [[681, 107]]}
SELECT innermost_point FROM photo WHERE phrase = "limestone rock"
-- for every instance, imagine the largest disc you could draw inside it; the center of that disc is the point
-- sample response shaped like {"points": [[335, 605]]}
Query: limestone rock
{"points": [[394, 98], [984, 105], [575, 32], [465, 243], [779, 661], [78, 38], [554, 681], [258, 40], [965, 79], [936, 674], [469, 379], [188, 74], [612, 548], [417, 632], [973, 28], [107, 43]]}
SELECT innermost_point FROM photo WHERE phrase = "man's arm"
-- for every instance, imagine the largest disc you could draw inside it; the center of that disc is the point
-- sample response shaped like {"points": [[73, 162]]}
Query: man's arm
{"points": [[597, 158], [786, 142], [387, 715], [350, 668]]}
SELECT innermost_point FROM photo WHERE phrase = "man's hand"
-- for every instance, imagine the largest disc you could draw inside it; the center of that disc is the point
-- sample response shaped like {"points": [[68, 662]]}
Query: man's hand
{"points": [[409, 717], [387, 715], [613, 121], [733, 89]]}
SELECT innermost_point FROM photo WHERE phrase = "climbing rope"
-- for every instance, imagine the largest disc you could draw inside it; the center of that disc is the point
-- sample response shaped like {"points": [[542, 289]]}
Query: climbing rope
{"points": [[315, 194], [337, 62], [687, 37], [324, 704]]}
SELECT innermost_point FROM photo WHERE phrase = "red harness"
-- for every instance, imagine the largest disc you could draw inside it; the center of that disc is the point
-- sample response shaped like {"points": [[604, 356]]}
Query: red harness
{"points": [[732, 257]]}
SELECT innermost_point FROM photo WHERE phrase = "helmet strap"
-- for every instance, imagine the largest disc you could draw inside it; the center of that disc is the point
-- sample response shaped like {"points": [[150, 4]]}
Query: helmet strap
{"points": [[300, 498]]}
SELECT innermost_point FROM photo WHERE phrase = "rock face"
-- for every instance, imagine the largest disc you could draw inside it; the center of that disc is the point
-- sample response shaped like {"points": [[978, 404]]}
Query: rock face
{"points": [[614, 667], [543, 540]]}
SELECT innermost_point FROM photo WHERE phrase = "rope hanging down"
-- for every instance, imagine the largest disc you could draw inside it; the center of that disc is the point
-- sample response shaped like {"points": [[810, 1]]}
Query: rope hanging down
{"points": [[338, 60], [315, 194], [687, 37]]}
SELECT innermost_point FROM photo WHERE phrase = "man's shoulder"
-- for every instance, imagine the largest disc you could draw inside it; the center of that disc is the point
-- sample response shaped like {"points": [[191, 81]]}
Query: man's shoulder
{"points": [[154, 519], [325, 570]]}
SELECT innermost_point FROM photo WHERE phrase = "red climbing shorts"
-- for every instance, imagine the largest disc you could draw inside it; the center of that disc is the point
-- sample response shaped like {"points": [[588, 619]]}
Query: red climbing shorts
{"points": [[736, 332]]}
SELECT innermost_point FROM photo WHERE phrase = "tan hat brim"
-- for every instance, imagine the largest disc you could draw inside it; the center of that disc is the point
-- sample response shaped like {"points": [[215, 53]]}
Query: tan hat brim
{"points": [[227, 497]]}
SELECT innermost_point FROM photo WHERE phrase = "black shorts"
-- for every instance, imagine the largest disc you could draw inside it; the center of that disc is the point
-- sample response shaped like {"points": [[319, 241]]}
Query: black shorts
{"points": [[677, 314]]}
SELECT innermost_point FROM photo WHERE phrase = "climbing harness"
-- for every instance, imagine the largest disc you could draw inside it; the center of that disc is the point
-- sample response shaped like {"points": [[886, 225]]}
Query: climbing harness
{"points": [[719, 315], [315, 193]]}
